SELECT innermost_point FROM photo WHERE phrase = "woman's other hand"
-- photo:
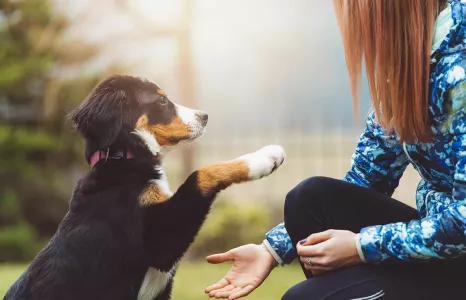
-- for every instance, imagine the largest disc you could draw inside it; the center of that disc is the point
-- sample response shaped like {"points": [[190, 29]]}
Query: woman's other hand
{"points": [[328, 250], [251, 266]]}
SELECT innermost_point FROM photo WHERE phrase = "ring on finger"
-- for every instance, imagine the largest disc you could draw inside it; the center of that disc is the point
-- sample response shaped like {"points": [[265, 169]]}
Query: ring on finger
{"points": [[308, 261]]}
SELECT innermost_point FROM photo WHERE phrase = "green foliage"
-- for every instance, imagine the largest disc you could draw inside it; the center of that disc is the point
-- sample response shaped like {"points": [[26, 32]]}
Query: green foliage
{"points": [[25, 56], [9, 206], [23, 147], [39, 155], [18, 243], [231, 225]]}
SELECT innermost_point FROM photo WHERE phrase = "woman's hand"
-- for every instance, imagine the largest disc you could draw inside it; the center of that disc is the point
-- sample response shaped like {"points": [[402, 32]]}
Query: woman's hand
{"points": [[251, 266], [328, 250]]}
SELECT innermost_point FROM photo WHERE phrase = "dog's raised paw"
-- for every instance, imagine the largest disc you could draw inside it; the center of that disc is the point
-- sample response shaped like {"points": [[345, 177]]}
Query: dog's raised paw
{"points": [[264, 161]]}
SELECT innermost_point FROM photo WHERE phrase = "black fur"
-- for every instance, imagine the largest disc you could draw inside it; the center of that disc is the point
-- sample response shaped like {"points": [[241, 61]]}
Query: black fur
{"points": [[109, 114], [107, 241]]}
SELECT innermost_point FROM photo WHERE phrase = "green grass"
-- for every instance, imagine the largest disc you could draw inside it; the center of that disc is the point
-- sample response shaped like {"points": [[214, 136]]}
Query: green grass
{"points": [[8, 274], [192, 278]]}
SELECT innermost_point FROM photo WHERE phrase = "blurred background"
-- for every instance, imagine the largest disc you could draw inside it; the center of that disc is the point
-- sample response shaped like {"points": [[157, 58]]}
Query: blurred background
{"points": [[266, 71]]}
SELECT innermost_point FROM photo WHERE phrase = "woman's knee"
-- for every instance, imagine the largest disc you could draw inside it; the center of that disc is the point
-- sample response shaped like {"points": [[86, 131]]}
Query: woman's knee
{"points": [[306, 194]]}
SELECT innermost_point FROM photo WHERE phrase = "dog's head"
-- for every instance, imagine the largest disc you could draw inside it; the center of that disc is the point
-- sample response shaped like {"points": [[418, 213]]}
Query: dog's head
{"points": [[121, 109]]}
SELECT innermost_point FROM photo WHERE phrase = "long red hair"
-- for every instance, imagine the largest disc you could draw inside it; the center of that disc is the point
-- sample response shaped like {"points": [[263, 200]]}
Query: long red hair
{"points": [[393, 38]]}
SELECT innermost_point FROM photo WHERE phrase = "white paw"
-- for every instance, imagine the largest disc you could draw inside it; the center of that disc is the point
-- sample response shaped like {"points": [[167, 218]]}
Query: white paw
{"points": [[264, 161]]}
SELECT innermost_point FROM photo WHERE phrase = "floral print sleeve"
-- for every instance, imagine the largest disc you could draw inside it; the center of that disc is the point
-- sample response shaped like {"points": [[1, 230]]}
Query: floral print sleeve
{"points": [[437, 236], [379, 160], [378, 163]]}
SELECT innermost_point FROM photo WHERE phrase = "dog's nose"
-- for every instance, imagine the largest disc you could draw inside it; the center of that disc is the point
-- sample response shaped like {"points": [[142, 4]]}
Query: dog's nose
{"points": [[203, 117]]}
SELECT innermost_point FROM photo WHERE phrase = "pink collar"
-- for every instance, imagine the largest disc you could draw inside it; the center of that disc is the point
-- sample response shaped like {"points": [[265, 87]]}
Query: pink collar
{"points": [[103, 154]]}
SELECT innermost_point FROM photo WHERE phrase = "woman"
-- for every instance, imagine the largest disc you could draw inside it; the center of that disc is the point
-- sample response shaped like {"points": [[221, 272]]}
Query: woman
{"points": [[415, 60]]}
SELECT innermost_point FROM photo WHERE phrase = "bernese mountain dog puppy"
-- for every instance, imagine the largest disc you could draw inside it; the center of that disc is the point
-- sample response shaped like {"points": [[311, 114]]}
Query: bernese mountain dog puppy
{"points": [[125, 231]]}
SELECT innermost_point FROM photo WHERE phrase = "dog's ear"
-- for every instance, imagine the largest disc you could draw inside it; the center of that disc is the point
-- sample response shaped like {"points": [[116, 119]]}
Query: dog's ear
{"points": [[102, 116]]}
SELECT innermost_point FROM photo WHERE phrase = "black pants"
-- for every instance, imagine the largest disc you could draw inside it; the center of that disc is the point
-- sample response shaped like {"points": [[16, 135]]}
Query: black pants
{"points": [[318, 204]]}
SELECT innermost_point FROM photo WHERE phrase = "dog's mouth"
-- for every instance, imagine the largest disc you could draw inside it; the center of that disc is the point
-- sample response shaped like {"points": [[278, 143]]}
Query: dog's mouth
{"points": [[195, 136], [194, 120], [196, 132]]}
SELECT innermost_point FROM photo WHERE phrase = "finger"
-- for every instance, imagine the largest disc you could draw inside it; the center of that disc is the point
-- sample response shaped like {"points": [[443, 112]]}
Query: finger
{"points": [[318, 264], [318, 238], [219, 258], [222, 290], [222, 283], [304, 261], [309, 251], [322, 261], [244, 292], [326, 261], [309, 267], [224, 293], [225, 289], [228, 293]]}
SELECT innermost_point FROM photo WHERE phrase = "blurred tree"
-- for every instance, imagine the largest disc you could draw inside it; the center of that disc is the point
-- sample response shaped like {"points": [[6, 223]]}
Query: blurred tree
{"points": [[40, 158]]}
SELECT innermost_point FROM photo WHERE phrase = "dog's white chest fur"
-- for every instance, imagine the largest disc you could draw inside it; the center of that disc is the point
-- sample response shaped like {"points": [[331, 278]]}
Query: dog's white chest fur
{"points": [[154, 283]]}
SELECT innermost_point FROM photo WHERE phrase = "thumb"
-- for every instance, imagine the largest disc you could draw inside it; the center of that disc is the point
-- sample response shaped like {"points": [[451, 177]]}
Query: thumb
{"points": [[219, 258]]}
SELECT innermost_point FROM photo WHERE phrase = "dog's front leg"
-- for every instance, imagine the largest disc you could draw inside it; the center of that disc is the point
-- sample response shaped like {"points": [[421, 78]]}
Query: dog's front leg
{"points": [[214, 178], [171, 226]]}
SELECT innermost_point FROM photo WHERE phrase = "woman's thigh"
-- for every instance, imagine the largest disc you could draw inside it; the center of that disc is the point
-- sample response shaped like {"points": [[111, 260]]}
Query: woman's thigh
{"points": [[368, 282], [321, 203]]}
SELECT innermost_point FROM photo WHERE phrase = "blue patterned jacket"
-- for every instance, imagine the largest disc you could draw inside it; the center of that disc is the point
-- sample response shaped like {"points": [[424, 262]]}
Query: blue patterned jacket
{"points": [[380, 160]]}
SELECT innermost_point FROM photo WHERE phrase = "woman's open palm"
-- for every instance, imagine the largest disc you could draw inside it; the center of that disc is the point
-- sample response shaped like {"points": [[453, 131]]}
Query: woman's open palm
{"points": [[251, 266]]}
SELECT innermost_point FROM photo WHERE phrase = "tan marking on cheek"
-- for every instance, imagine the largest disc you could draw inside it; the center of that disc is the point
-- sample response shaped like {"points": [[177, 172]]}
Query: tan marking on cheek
{"points": [[212, 179], [161, 92], [152, 194], [142, 122], [169, 134]]}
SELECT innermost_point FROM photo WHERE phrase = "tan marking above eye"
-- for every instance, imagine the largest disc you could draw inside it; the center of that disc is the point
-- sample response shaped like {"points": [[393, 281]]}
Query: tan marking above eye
{"points": [[214, 178], [161, 92], [142, 122], [152, 194]]}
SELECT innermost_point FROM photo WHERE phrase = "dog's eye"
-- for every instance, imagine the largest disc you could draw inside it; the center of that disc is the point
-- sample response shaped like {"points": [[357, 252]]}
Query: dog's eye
{"points": [[162, 100]]}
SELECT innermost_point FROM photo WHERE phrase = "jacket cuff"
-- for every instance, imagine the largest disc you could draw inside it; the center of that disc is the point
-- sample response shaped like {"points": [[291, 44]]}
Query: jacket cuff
{"points": [[269, 248], [358, 247], [281, 243]]}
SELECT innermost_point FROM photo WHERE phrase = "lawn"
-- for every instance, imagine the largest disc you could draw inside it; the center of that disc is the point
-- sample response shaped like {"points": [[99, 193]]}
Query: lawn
{"points": [[192, 278]]}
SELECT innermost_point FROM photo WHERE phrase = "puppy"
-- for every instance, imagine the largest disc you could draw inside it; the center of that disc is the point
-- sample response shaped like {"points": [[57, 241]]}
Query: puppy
{"points": [[125, 231]]}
